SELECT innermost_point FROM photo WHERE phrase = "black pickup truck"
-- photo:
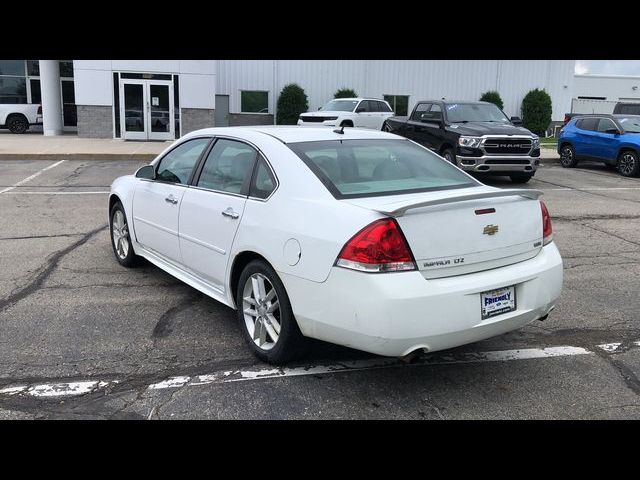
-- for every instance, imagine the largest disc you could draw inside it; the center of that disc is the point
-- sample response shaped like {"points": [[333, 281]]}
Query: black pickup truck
{"points": [[476, 136]]}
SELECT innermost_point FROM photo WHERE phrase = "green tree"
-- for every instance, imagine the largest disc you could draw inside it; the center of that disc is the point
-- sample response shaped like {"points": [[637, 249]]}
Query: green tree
{"points": [[493, 97], [536, 111], [291, 103], [345, 93]]}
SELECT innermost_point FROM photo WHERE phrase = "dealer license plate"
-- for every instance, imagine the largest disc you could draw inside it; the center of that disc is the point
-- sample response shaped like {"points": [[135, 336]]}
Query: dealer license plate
{"points": [[497, 302]]}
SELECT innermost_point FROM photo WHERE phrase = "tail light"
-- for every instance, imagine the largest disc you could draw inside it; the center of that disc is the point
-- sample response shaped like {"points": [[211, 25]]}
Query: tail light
{"points": [[547, 231], [379, 247], [40, 110]]}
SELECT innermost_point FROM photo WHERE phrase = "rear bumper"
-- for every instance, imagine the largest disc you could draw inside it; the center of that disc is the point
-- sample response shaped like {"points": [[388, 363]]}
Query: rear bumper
{"points": [[499, 164], [394, 314]]}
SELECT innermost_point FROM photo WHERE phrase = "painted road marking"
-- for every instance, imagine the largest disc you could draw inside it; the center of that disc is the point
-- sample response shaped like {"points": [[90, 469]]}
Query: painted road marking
{"points": [[31, 177], [65, 389], [52, 390], [589, 189]]}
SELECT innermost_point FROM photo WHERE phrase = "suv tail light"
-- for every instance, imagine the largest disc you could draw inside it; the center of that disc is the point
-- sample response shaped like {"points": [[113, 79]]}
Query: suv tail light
{"points": [[547, 230], [40, 110], [378, 247]]}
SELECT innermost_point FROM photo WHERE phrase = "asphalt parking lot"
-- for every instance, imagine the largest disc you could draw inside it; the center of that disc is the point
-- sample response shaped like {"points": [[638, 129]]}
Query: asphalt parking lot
{"points": [[83, 337]]}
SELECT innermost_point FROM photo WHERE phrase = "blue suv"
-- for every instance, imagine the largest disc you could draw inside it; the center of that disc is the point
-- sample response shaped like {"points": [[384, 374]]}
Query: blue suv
{"points": [[612, 139]]}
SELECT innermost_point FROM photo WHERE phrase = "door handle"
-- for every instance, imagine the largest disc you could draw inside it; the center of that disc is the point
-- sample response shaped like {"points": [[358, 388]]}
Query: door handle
{"points": [[230, 213], [171, 199]]}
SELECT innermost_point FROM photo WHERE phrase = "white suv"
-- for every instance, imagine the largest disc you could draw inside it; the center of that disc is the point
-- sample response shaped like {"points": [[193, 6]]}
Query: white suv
{"points": [[349, 112]]}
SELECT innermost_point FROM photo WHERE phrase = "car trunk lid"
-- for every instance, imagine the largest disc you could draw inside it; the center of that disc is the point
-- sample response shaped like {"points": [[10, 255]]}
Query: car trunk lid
{"points": [[454, 232]]}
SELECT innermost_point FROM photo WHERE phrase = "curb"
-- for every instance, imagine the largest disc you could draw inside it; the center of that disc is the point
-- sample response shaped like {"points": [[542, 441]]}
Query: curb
{"points": [[137, 157]]}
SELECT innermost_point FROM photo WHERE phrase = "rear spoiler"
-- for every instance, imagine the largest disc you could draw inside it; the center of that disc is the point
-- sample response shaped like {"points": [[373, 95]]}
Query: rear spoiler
{"points": [[397, 212]]}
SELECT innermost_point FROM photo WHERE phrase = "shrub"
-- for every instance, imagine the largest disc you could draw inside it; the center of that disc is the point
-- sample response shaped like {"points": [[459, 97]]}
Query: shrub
{"points": [[345, 93], [493, 97], [536, 111], [291, 103]]}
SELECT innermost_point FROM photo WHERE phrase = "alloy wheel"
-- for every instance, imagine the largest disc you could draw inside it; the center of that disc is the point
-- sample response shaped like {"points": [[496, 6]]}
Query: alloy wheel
{"points": [[627, 164], [566, 156], [120, 235], [261, 311]]}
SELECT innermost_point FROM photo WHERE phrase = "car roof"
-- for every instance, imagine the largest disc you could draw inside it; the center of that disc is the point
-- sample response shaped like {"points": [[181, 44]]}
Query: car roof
{"points": [[359, 98], [468, 102], [292, 134]]}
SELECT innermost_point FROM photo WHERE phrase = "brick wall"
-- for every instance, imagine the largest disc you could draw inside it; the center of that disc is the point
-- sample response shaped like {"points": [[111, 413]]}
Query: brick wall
{"points": [[195, 119], [240, 119], [95, 121]]}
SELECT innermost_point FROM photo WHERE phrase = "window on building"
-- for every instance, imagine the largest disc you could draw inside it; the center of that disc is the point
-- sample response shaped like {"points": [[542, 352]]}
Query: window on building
{"points": [[13, 90], [33, 68], [66, 68], [254, 101], [12, 67], [399, 104]]}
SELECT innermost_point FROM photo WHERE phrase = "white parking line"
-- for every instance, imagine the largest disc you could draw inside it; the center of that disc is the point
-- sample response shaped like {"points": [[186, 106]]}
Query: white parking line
{"points": [[83, 387], [31, 177], [56, 389], [369, 364], [590, 189]]}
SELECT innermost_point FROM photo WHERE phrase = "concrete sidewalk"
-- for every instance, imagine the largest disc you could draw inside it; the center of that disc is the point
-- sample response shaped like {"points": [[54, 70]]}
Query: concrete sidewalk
{"points": [[35, 146]]}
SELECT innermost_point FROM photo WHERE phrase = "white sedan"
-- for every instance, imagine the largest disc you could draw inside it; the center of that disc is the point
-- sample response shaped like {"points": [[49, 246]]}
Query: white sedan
{"points": [[359, 238]]}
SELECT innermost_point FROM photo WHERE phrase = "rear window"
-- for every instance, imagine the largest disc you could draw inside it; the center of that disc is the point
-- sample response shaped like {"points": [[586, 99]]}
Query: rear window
{"points": [[364, 168]]}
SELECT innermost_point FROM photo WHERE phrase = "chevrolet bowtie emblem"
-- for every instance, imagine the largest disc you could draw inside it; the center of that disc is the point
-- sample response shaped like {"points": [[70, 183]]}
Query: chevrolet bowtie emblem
{"points": [[490, 230]]}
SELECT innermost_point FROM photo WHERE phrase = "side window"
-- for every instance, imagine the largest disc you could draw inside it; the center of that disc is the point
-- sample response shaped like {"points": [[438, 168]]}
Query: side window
{"points": [[588, 124], [436, 108], [263, 182], [228, 166], [177, 165], [383, 107], [605, 124], [374, 106], [364, 105], [419, 111]]}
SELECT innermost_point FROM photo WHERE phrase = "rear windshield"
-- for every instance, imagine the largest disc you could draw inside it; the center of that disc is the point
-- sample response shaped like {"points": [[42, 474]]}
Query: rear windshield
{"points": [[364, 168]]}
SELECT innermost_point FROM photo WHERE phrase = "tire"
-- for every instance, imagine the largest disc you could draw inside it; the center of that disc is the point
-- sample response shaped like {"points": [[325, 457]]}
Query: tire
{"points": [[568, 156], [628, 164], [449, 155], [17, 124], [279, 322], [120, 238], [521, 177]]}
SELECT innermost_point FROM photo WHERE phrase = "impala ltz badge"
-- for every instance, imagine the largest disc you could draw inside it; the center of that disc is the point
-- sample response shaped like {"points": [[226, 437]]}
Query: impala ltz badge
{"points": [[490, 230]]}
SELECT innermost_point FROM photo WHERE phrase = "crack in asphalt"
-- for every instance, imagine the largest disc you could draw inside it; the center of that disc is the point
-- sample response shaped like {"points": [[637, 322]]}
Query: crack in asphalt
{"points": [[29, 237], [44, 273], [164, 324], [611, 234], [595, 216]]}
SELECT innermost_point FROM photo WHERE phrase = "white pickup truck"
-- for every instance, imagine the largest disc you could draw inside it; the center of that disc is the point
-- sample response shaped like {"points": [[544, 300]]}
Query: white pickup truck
{"points": [[17, 117], [349, 112]]}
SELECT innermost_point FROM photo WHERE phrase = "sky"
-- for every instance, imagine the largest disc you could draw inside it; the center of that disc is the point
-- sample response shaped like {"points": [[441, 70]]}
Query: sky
{"points": [[608, 67]]}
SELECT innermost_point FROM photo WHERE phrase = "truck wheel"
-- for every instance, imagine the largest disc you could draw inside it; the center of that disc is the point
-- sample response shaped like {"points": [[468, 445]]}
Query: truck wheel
{"points": [[568, 157], [449, 156], [17, 124], [520, 177], [628, 164]]}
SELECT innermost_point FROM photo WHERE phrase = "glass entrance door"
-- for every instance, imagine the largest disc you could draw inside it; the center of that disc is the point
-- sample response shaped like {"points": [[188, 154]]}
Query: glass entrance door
{"points": [[161, 111], [146, 110]]}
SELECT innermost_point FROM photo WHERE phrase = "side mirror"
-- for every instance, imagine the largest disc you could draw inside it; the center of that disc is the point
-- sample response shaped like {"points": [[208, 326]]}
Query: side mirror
{"points": [[516, 120], [147, 172], [615, 131], [359, 109]]}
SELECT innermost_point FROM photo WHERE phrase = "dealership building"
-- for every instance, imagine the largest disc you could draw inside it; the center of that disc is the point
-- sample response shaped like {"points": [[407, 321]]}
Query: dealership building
{"points": [[164, 99]]}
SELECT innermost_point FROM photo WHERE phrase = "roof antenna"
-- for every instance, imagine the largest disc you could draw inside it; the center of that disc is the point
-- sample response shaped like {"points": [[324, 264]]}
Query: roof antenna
{"points": [[340, 131]]}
